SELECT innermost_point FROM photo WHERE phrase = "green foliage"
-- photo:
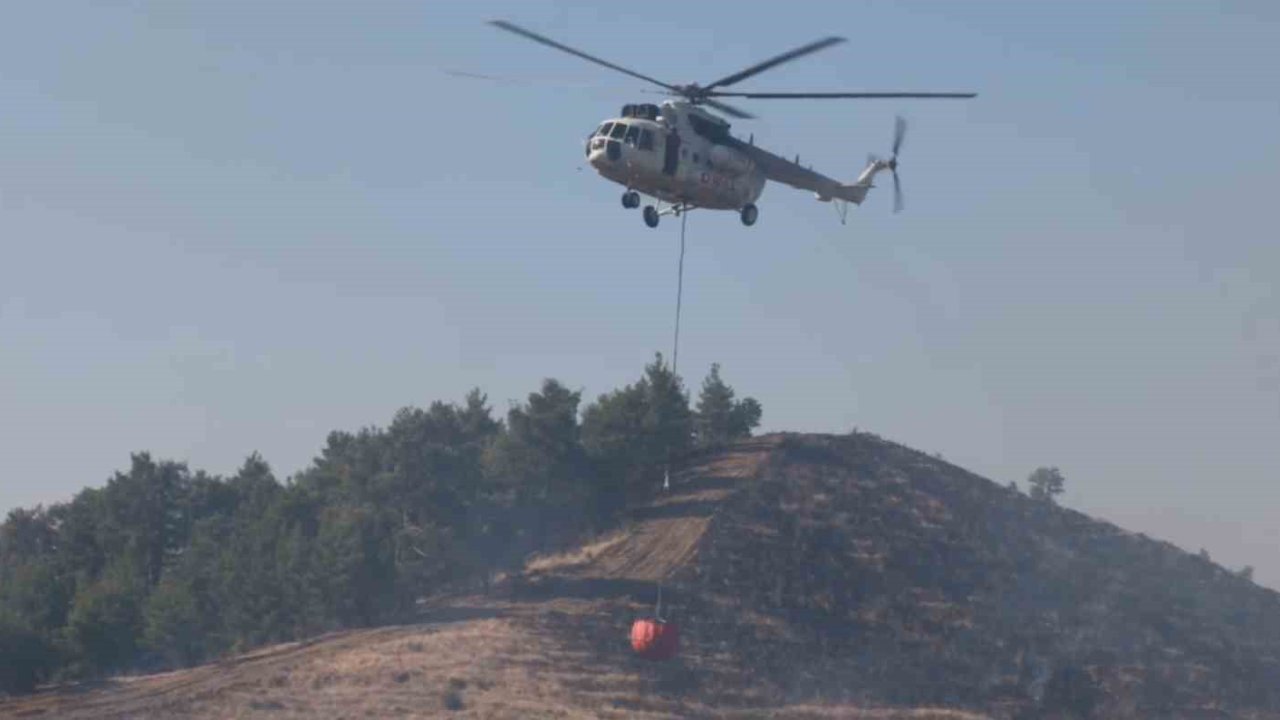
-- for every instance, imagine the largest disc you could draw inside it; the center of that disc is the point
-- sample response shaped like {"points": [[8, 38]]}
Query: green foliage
{"points": [[540, 469], [35, 593], [105, 623], [1046, 483], [541, 453], [720, 419], [80, 543], [144, 519], [631, 434], [174, 625], [612, 429], [668, 422], [26, 657], [353, 562], [27, 534], [165, 566]]}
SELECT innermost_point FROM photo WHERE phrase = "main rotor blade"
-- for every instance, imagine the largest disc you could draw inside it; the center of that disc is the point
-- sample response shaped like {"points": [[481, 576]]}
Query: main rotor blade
{"points": [[836, 95], [729, 110], [540, 81], [552, 43], [784, 57]]}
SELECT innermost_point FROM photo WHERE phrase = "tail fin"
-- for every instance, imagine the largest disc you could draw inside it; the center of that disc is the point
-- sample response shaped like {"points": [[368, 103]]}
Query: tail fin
{"points": [[857, 192]]}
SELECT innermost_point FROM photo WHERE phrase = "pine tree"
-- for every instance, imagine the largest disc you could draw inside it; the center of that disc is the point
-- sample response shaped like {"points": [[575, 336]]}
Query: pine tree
{"points": [[668, 422], [26, 657], [715, 410], [632, 433], [106, 619], [744, 418], [1046, 483], [540, 468], [174, 626], [719, 418]]}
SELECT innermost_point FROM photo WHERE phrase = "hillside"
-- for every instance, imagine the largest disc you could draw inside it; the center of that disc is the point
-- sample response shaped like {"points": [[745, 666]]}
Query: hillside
{"points": [[813, 576]]}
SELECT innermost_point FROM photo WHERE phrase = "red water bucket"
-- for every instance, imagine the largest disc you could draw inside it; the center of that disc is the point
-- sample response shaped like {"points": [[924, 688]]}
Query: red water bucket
{"points": [[654, 639]]}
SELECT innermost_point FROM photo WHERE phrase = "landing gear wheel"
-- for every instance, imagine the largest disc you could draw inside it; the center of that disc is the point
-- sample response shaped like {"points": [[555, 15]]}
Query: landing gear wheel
{"points": [[749, 214], [651, 216], [631, 199]]}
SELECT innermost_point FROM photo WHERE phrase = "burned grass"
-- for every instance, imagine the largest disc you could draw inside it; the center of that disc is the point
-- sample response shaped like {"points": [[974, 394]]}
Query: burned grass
{"points": [[813, 577]]}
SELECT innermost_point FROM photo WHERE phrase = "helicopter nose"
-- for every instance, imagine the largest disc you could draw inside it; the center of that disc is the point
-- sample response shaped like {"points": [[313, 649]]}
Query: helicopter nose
{"points": [[595, 150], [602, 152], [595, 158]]}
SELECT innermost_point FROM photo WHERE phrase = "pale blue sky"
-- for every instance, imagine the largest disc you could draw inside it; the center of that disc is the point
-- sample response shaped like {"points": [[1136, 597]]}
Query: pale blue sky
{"points": [[236, 226]]}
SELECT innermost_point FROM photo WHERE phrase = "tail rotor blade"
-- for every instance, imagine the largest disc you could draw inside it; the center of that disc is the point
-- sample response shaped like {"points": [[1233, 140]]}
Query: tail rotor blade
{"points": [[899, 132], [897, 193]]}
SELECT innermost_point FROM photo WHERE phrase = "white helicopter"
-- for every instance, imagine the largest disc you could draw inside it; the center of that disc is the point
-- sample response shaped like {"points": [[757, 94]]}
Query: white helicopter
{"points": [[680, 154]]}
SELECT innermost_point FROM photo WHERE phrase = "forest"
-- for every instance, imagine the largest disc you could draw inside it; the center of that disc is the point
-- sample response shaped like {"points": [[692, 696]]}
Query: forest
{"points": [[164, 566]]}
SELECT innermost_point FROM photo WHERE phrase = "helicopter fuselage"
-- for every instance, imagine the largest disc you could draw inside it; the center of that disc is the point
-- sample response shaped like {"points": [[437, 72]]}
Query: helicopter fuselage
{"points": [[676, 154], [682, 154]]}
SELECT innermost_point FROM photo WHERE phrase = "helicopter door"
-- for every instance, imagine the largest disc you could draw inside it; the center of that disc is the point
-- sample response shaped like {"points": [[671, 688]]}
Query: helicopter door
{"points": [[672, 157]]}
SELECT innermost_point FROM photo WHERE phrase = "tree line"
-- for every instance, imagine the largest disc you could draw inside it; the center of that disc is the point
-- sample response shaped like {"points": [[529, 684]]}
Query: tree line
{"points": [[167, 567]]}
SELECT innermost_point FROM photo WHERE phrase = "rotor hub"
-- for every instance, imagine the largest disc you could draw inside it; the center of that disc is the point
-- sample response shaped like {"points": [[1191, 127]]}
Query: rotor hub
{"points": [[693, 92]]}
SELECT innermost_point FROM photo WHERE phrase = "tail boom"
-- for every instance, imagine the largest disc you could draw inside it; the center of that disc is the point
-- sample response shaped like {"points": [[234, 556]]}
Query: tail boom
{"points": [[857, 192]]}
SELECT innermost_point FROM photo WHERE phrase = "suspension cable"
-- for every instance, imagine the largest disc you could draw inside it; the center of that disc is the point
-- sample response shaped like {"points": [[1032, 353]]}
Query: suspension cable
{"points": [[675, 343], [675, 358]]}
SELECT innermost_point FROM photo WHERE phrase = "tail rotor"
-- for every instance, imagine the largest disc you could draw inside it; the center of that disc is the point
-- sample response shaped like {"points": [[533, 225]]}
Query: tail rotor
{"points": [[899, 132]]}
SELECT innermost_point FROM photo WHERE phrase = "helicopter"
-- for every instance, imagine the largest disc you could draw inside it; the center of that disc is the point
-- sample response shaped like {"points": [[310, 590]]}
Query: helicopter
{"points": [[683, 155]]}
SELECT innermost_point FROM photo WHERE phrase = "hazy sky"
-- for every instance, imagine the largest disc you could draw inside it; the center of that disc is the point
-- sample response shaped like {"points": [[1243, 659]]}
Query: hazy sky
{"points": [[237, 226]]}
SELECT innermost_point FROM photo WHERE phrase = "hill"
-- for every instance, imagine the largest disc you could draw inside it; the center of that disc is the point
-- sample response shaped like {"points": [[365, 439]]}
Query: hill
{"points": [[812, 576]]}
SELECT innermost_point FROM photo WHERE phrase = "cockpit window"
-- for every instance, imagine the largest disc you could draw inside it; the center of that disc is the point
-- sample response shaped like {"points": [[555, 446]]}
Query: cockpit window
{"points": [[604, 129], [619, 129], [646, 139], [633, 135]]}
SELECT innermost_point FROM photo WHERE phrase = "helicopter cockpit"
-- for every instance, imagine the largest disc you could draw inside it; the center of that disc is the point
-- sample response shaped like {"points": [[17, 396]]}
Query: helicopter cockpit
{"points": [[622, 133]]}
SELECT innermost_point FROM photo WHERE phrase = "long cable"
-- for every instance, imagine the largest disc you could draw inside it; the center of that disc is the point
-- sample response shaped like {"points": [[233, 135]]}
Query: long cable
{"points": [[675, 358], [675, 343]]}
